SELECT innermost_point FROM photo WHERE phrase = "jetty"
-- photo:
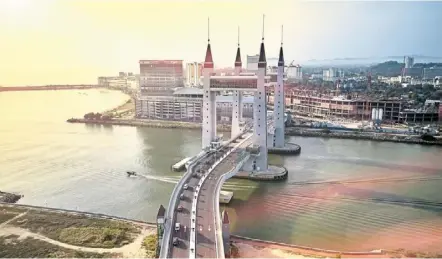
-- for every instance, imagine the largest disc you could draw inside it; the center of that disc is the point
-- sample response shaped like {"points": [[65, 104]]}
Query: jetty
{"points": [[181, 164]]}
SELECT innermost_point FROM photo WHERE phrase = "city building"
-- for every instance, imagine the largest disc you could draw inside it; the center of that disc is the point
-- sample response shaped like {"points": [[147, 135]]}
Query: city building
{"points": [[332, 74], [431, 73], [186, 105], [160, 77], [409, 62], [294, 72], [193, 74], [252, 63], [124, 80], [307, 104]]}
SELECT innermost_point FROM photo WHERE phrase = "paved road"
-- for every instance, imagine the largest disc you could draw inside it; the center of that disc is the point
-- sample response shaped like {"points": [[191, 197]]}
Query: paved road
{"points": [[205, 237], [183, 217]]}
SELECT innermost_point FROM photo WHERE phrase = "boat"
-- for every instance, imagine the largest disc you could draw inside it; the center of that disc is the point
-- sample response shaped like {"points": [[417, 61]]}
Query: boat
{"points": [[131, 173]]}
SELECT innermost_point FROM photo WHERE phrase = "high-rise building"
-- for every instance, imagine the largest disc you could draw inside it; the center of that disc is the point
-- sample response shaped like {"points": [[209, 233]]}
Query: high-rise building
{"points": [[193, 73], [294, 72], [409, 62], [160, 76]]}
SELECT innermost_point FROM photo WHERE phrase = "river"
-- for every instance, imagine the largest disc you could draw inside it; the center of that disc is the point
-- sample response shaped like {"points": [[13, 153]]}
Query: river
{"points": [[341, 194]]}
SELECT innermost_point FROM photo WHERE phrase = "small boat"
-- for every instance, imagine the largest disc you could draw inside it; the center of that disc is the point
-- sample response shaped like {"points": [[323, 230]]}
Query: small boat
{"points": [[131, 173]]}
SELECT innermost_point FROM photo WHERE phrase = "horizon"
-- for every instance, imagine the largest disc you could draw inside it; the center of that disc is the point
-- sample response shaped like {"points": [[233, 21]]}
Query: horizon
{"points": [[81, 40]]}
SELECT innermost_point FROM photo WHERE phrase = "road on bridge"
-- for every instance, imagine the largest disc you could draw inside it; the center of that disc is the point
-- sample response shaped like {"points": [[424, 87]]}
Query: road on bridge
{"points": [[183, 217], [206, 236]]}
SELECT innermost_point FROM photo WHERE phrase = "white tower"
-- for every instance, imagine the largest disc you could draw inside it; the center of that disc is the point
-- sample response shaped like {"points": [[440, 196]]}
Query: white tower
{"points": [[279, 103], [209, 100], [260, 111], [237, 97]]}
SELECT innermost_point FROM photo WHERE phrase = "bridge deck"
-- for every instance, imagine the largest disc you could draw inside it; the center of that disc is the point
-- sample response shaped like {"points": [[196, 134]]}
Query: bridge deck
{"points": [[206, 238]]}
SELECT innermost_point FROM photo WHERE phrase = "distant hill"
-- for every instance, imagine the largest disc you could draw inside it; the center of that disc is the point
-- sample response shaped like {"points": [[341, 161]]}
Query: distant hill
{"points": [[389, 68], [369, 61]]}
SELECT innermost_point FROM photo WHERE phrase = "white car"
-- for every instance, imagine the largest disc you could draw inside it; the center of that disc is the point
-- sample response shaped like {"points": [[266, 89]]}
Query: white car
{"points": [[186, 186], [177, 227]]}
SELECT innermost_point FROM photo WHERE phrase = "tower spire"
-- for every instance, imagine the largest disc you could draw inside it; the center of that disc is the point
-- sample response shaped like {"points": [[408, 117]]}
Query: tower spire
{"points": [[281, 53], [262, 62], [238, 62], [208, 61]]}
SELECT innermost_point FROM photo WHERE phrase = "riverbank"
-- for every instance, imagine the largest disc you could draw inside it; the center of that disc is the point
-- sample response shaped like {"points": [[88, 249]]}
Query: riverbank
{"points": [[290, 131], [398, 138], [32, 231], [149, 123], [9, 197]]}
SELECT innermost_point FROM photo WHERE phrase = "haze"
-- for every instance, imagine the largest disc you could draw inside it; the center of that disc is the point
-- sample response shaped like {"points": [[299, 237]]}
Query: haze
{"points": [[69, 42]]}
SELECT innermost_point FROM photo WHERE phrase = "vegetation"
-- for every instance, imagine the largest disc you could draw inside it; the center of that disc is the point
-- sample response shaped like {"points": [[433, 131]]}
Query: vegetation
{"points": [[4, 216], [413, 254], [78, 229], [13, 247], [150, 244]]}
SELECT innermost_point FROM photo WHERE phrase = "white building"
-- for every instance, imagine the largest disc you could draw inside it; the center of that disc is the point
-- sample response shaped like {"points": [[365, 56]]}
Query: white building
{"points": [[294, 72], [409, 62], [193, 74], [124, 80], [252, 63]]}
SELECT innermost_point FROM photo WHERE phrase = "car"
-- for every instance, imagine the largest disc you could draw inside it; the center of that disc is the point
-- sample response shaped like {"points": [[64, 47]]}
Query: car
{"points": [[182, 196], [176, 241], [177, 227], [180, 208], [186, 186]]}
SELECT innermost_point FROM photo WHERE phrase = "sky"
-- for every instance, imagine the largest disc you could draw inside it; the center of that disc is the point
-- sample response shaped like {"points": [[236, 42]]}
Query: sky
{"points": [[75, 41]]}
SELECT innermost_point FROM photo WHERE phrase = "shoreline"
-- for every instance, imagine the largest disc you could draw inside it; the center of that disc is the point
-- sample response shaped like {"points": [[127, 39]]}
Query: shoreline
{"points": [[290, 131], [245, 247]]}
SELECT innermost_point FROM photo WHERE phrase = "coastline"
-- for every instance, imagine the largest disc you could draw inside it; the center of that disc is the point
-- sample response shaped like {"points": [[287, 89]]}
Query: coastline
{"points": [[243, 247], [290, 131]]}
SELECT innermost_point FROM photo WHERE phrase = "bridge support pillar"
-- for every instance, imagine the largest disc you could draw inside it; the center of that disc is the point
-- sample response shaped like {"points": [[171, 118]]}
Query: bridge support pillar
{"points": [[236, 113]]}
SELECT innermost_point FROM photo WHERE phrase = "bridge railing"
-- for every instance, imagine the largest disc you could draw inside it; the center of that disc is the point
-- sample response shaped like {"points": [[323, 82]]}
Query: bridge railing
{"points": [[173, 202]]}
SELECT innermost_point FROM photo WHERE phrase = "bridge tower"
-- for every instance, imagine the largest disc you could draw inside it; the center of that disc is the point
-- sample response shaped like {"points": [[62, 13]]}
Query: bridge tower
{"points": [[279, 103], [209, 99], [237, 97], [260, 112]]}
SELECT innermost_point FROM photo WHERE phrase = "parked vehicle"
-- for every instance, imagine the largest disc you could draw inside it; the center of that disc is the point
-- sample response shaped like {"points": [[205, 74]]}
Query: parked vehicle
{"points": [[186, 186], [180, 208], [177, 227], [176, 241], [182, 196]]}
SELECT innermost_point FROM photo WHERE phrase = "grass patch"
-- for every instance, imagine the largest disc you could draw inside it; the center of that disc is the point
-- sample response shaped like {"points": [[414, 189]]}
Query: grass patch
{"points": [[94, 237], [150, 244], [11, 209], [11, 247], [78, 229], [413, 254], [4, 216]]}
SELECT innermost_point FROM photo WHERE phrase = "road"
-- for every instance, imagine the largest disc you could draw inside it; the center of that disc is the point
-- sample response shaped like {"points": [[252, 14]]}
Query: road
{"points": [[205, 237], [183, 217]]}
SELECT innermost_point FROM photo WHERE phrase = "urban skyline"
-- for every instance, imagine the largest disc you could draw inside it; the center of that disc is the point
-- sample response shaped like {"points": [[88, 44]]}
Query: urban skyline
{"points": [[78, 50]]}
